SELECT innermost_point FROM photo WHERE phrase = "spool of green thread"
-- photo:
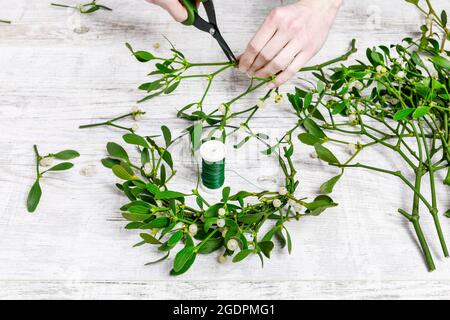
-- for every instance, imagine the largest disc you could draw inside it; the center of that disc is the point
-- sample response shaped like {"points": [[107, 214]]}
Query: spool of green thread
{"points": [[213, 164]]}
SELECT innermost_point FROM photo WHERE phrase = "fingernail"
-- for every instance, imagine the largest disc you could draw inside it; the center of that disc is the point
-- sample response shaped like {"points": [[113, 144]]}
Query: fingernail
{"points": [[271, 85]]}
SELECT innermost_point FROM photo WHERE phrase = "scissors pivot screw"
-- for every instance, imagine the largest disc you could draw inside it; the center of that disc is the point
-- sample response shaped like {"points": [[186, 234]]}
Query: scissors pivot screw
{"points": [[209, 26]]}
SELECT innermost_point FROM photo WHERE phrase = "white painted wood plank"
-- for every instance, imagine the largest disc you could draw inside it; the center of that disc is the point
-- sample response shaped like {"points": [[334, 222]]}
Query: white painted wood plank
{"points": [[222, 290], [53, 80]]}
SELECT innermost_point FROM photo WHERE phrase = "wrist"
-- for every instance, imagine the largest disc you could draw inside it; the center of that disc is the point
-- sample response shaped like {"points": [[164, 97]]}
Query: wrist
{"points": [[337, 3], [324, 4]]}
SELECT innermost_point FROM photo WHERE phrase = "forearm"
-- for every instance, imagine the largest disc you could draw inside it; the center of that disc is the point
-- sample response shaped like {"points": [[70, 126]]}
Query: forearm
{"points": [[322, 4]]}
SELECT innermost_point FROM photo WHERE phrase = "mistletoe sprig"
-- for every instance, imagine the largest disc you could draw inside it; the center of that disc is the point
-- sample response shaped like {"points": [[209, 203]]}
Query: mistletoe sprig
{"points": [[168, 220], [84, 8], [136, 114], [34, 196], [398, 100]]}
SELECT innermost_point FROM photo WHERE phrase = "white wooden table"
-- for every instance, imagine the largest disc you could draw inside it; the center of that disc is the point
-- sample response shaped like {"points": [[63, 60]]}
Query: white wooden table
{"points": [[53, 79]]}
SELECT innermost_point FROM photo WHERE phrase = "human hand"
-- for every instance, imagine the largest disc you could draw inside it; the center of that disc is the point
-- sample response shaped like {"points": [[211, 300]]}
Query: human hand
{"points": [[174, 7], [289, 37]]}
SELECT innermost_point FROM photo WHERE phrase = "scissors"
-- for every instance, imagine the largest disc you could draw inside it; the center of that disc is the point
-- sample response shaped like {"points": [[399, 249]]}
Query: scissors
{"points": [[211, 27]]}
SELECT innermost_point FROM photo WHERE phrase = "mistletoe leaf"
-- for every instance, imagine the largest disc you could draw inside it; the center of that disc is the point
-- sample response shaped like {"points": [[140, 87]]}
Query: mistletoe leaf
{"points": [[167, 195], [149, 238], [167, 135], [158, 260], [319, 205], [325, 154], [66, 155], [309, 139], [175, 238], [421, 112], [441, 62], [122, 173], [266, 247], [312, 128], [183, 257], [251, 218], [61, 166], [132, 138], [328, 186], [447, 178], [242, 255], [402, 114], [34, 196], [115, 150]]}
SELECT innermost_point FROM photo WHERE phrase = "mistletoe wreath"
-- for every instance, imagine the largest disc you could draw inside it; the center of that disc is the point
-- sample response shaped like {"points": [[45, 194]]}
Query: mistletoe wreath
{"points": [[399, 99]]}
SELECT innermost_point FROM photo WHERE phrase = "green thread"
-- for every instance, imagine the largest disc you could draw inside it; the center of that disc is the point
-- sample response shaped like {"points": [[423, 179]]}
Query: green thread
{"points": [[213, 174]]}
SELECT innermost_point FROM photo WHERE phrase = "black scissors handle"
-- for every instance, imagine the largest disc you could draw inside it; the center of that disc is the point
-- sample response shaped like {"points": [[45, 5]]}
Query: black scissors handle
{"points": [[207, 26]]}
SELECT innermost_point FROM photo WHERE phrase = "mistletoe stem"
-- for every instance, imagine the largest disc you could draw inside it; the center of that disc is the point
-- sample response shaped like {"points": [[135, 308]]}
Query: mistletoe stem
{"points": [[423, 244], [38, 159], [62, 5]]}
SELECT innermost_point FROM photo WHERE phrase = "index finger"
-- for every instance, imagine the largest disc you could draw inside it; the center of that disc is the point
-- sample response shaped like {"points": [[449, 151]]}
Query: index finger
{"points": [[258, 42]]}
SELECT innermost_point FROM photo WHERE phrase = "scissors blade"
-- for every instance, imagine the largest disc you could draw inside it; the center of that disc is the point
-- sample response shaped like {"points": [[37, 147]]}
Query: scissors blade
{"points": [[225, 47], [212, 29], [210, 11]]}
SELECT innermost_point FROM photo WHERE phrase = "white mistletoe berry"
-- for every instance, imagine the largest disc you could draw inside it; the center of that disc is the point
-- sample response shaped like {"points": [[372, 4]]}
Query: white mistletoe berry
{"points": [[221, 212], [392, 100], [346, 96], [314, 155], [88, 171], [273, 94], [298, 207], [261, 103], [224, 232], [276, 203], [242, 129], [278, 99], [381, 69], [232, 244], [193, 229], [223, 108], [352, 118], [47, 161], [361, 107], [221, 223], [401, 74], [137, 113], [282, 191], [399, 61], [358, 85], [135, 127]]}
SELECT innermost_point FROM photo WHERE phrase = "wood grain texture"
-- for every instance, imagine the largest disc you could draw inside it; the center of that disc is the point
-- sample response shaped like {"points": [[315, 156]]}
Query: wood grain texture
{"points": [[53, 79]]}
